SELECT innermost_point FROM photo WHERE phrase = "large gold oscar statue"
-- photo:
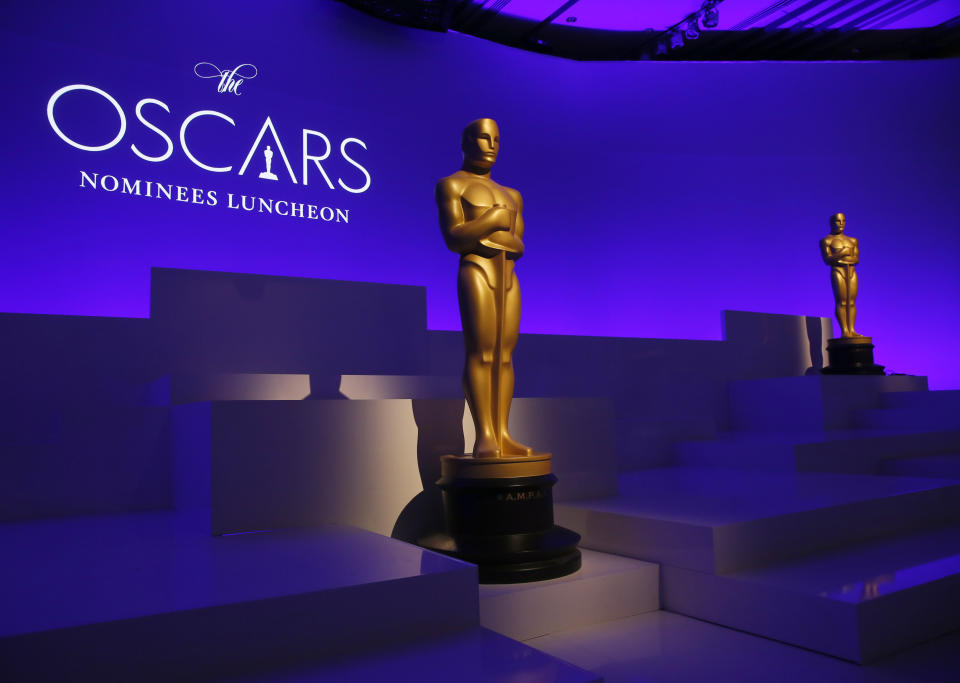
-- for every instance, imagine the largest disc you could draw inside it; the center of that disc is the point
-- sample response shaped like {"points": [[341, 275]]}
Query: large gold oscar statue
{"points": [[497, 500], [842, 252], [852, 352], [483, 222]]}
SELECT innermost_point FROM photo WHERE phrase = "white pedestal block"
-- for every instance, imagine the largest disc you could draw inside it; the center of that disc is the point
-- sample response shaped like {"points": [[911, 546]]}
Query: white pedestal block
{"points": [[210, 322], [607, 587], [274, 464]]}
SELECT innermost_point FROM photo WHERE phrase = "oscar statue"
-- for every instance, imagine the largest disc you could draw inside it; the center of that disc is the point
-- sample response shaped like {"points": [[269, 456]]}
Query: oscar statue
{"points": [[498, 502], [852, 352]]}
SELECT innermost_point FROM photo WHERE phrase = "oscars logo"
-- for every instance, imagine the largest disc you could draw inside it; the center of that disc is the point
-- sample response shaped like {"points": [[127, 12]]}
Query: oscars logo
{"points": [[230, 79]]}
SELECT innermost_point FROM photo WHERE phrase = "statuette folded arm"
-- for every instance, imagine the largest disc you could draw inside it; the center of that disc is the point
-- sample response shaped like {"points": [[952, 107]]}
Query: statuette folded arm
{"points": [[836, 253], [506, 242], [462, 235]]}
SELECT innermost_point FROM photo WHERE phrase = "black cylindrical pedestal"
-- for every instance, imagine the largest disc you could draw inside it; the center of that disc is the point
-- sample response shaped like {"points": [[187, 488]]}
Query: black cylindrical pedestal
{"points": [[505, 526], [851, 356]]}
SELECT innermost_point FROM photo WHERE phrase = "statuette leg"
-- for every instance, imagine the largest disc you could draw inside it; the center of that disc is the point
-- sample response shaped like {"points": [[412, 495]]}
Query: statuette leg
{"points": [[510, 335], [478, 315]]}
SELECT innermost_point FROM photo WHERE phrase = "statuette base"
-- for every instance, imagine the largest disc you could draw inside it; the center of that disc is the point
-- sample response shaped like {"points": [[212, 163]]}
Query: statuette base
{"points": [[851, 356], [498, 514]]}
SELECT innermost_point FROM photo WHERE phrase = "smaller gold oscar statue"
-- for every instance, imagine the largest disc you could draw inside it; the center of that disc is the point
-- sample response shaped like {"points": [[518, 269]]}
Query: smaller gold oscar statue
{"points": [[497, 500], [852, 352]]}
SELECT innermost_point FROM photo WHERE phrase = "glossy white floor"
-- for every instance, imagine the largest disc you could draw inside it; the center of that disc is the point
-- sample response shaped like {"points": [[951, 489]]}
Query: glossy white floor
{"points": [[661, 647]]}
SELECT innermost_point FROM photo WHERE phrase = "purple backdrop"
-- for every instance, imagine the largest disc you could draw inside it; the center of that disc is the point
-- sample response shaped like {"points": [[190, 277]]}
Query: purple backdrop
{"points": [[656, 194]]}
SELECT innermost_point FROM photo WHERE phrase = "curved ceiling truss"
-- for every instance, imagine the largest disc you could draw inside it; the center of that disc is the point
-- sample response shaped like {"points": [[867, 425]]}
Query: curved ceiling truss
{"points": [[690, 30]]}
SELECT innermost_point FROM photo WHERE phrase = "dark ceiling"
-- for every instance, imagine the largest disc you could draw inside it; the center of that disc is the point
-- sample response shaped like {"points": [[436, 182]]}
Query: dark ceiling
{"points": [[784, 30]]}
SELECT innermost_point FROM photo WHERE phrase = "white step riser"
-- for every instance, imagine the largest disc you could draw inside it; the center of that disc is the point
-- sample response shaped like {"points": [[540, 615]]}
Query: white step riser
{"points": [[937, 466], [843, 456], [912, 418], [860, 632], [866, 456], [812, 402], [768, 458], [822, 625]]}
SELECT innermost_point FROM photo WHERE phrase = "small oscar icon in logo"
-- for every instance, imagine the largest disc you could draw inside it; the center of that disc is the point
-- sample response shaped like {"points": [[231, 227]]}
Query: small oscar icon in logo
{"points": [[268, 157]]}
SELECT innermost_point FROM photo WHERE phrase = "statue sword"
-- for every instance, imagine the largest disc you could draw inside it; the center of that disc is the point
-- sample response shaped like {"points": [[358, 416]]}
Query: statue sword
{"points": [[500, 305]]}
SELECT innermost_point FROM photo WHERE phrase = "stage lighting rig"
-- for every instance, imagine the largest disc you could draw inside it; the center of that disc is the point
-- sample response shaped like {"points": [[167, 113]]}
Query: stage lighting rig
{"points": [[710, 13], [687, 28]]}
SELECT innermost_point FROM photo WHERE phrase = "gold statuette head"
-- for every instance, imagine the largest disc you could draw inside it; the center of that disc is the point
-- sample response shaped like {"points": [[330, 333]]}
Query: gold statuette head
{"points": [[837, 223], [480, 143]]}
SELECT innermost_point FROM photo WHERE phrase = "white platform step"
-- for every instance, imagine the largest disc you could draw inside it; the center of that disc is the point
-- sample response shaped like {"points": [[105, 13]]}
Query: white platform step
{"points": [[715, 520], [661, 647], [850, 451], [813, 402], [607, 587], [911, 418], [475, 656], [926, 399], [859, 603], [148, 597]]}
